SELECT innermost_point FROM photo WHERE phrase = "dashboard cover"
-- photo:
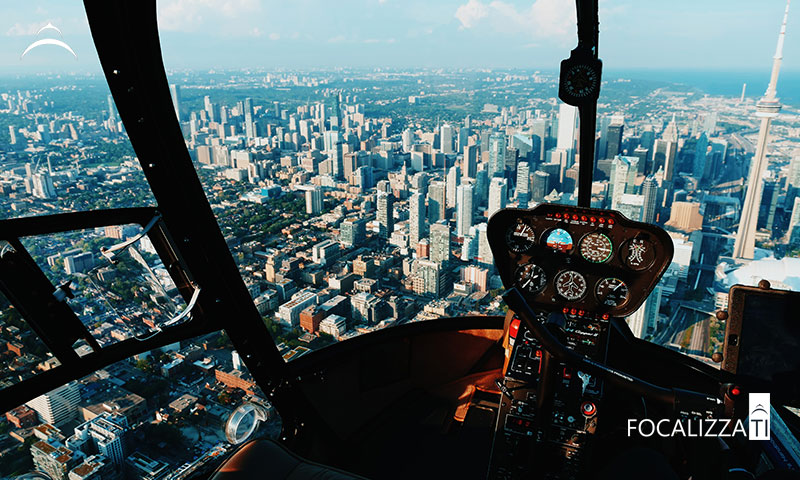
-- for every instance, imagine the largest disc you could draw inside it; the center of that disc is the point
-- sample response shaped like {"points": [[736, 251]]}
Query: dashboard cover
{"points": [[582, 260]]}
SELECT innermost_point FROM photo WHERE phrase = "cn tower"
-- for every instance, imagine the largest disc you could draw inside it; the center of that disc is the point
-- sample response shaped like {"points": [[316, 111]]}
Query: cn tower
{"points": [[766, 109]]}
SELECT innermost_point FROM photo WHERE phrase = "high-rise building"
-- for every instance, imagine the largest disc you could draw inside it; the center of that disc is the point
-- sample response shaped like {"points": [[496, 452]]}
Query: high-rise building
{"points": [[539, 139], [700, 152], [664, 152], [464, 195], [614, 145], [567, 127], [481, 187], [497, 155], [43, 186], [12, 133], [446, 138], [540, 186], [485, 256], [523, 184], [440, 242], [106, 434], [314, 201], [385, 214], [58, 406], [768, 204], [175, 91], [685, 216], [352, 232], [408, 139], [650, 202], [766, 109], [623, 176], [437, 206], [469, 166], [416, 219], [453, 181], [498, 195]]}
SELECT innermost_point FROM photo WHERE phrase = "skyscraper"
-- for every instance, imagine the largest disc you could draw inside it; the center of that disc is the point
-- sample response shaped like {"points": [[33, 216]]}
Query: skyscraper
{"points": [[498, 194], [175, 91], [436, 201], [623, 175], [567, 127], [446, 138], [469, 166], [440, 242], [497, 154], [464, 195], [416, 218], [614, 144], [385, 214], [664, 157], [650, 194], [541, 184], [453, 180], [523, 184], [766, 109]]}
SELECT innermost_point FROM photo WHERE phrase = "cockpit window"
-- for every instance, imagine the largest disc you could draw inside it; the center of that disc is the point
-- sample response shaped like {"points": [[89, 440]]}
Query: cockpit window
{"points": [[62, 143], [158, 412], [120, 289]]}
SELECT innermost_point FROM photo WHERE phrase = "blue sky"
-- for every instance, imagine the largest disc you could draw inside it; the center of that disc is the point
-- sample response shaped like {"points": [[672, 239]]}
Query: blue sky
{"points": [[635, 34]]}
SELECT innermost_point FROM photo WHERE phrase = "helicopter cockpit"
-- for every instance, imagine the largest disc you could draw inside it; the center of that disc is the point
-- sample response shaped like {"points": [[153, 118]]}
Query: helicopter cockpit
{"points": [[170, 341]]}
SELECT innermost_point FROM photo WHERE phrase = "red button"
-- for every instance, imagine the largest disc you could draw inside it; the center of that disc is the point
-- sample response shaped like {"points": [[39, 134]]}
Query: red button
{"points": [[565, 310], [593, 219], [605, 316], [583, 218], [574, 216], [735, 391], [513, 329], [602, 220], [611, 221], [558, 215], [581, 313], [573, 311], [567, 373], [588, 408]]}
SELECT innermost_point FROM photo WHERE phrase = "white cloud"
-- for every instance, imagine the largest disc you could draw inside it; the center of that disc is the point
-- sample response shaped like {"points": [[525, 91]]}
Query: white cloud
{"points": [[274, 36], [24, 30], [471, 13], [542, 19], [337, 39], [190, 15]]}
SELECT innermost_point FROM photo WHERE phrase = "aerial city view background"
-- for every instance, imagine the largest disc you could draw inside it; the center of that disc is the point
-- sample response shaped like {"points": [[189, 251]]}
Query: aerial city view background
{"points": [[353, 182]]}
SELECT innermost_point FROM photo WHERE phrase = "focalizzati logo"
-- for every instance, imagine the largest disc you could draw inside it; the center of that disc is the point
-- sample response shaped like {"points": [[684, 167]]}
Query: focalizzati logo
{"points": [[755, 427], [759, 417]]}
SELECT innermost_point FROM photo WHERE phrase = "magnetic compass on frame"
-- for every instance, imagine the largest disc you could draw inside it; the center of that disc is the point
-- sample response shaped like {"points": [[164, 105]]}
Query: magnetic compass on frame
{"points": [[579, 81]]}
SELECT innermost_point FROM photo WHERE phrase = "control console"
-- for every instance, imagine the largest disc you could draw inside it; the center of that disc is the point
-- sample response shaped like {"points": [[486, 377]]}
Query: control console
{"points": [[578, 267]]}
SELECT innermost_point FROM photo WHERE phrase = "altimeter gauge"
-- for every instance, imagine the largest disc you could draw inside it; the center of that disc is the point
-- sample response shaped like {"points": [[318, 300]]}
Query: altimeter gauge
{"points": [[531, 278], [611, 292]]}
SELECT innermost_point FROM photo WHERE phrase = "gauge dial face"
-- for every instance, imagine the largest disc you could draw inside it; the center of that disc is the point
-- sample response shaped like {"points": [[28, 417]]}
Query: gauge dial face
{"points": [[639, 254], [520, 238], [612, 292], [596, 247], [560, 240], [531, 278], [581, 80], [570, 285]]}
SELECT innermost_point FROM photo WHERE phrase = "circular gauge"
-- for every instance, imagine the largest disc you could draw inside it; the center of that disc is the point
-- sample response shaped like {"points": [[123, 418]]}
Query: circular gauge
{"points": [[611, 292], [570, 285], [596, 247], [559, 239], [531, 277], [639, 254], [520, 237]]}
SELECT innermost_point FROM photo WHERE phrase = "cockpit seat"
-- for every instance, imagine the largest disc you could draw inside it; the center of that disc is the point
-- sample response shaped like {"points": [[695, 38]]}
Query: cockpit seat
{"points": [[268, 460]]}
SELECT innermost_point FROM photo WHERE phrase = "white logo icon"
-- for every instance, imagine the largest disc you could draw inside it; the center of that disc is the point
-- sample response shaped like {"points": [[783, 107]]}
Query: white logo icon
{"points": [[759, 417], [49, 41]]}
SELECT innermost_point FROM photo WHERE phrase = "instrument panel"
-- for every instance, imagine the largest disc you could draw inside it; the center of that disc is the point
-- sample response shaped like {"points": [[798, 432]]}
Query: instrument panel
{"points": [[583, 259]]}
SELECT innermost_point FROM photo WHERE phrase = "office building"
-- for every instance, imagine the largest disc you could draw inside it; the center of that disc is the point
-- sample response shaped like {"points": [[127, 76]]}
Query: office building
{"points": [[498, 195], [385, 215], [440, 242], [58, 406]]}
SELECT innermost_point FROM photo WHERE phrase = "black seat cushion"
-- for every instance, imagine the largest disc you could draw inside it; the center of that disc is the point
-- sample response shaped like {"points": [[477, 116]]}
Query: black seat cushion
{"points": [[267, 460]]}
